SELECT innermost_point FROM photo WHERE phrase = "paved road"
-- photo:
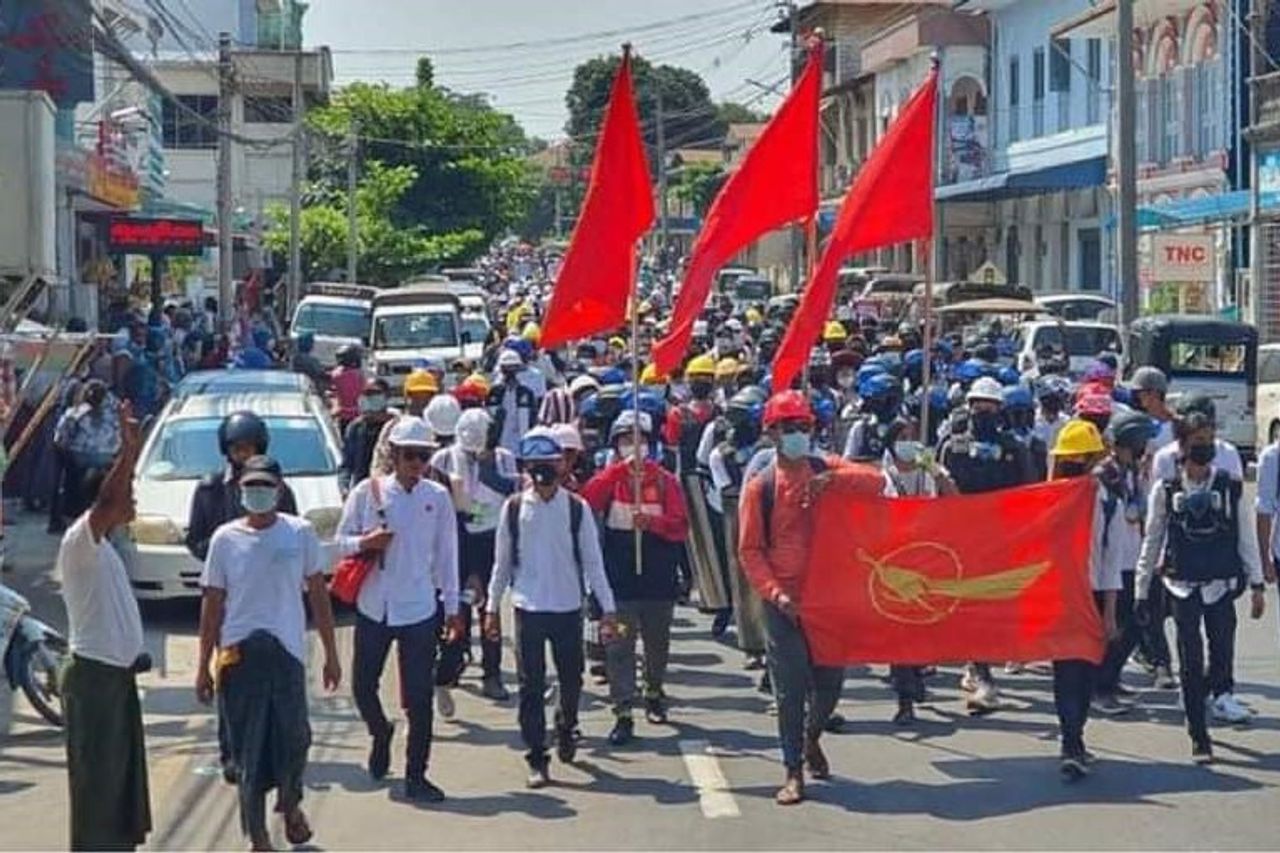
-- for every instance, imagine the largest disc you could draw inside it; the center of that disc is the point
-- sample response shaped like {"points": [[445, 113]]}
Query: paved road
{"points": [[706, 781]]}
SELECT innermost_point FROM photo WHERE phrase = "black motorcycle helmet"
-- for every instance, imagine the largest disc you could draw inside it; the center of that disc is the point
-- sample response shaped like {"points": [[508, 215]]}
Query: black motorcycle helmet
{"points": [[1132, 430], [243, 426], [348, 355]]}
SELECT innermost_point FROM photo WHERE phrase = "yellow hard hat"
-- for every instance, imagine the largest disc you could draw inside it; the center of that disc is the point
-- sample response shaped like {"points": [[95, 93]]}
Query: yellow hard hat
{"points": [[644, 308], [700, 365], [421, 381], [753, 317], [532, 332], [834, 331], [649, 376], [617, 343], [726, 368], [1078, 438]]}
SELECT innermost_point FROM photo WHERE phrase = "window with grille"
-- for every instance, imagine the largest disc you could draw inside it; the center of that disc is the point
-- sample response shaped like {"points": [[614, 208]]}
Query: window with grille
{"points": [[1015, 92], [1093, 85], [1037, 92], [180, 129]]}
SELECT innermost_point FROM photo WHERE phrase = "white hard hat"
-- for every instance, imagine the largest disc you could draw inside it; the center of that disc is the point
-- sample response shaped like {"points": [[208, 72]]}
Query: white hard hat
{"points": [[410, 431], [582, 383], [510, 358], [568, 436], [442, 414], [985, 388], [473, 429]]}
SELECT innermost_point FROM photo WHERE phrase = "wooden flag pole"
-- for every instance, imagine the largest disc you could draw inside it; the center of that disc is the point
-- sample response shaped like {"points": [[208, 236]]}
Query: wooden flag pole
{"points": [[927, 248], [637, 459]]}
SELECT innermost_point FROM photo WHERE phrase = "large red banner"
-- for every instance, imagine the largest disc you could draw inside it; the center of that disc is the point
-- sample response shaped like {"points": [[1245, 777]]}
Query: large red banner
{"points": [[999, 577]]}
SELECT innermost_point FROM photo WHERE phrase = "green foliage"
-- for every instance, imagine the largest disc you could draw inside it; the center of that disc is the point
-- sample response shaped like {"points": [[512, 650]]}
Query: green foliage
{"points": [[733, 113], [697, 184]]}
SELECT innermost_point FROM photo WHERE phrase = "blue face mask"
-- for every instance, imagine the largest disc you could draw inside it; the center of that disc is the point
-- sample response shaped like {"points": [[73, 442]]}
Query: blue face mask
{"points": [[258, 500], [794, 445]]}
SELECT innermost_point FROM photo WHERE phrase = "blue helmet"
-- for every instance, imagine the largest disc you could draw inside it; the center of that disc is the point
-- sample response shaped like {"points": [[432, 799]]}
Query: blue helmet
{"points": [[520, 345], [914, 359], [879, 386], [1018, 397], [943, 347], [613, 376], [939, 399], [1008, 376], [648, 402], [970, 370], [869, 368]]}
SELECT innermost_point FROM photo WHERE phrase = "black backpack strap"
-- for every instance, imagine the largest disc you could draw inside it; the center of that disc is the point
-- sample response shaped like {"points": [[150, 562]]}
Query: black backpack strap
{"points": [[768, 482], [511, 514]]}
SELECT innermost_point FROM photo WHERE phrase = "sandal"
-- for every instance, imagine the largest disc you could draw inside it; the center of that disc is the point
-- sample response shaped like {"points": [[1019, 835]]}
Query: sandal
{"points": [[296, 829]]}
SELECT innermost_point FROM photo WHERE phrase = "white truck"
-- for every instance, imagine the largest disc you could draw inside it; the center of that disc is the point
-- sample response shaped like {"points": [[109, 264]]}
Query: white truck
{"points": [[336, 314], [416, 323]]}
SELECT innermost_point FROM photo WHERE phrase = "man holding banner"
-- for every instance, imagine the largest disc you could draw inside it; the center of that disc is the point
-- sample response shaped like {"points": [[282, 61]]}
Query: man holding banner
{"points": [[774, 543]]}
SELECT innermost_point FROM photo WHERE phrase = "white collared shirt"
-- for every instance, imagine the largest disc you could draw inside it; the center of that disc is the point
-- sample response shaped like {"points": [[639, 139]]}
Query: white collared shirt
{"points": [[421, 558], [547, 580]]}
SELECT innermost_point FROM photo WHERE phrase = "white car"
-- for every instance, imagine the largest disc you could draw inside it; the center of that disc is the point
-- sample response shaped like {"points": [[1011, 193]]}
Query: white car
{"points": [[1268, 405], [337, 315], [1079, 341], [182, 448]]}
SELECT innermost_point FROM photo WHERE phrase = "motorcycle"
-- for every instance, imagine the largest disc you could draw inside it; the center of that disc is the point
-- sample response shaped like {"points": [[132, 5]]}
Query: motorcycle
{"points": [[33, 655]]}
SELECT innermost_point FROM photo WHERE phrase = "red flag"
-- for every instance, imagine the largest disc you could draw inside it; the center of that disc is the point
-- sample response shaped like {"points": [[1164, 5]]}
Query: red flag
{"points": [[776, 183], [891, 201], [916, 581], [598, 272]]}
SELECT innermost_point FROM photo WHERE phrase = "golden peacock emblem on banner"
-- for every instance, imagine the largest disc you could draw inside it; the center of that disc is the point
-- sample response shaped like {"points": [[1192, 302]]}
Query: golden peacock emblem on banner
{"points": [[924, 582]]}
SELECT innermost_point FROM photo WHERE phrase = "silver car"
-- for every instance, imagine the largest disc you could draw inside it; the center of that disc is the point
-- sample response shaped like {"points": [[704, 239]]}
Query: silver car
{"points": [[182, 448]]}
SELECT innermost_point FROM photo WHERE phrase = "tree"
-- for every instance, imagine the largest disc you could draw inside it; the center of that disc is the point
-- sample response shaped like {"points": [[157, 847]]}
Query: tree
{"points": [[468, 159], [690, 118], [697, 185], [425, 73], [734, 113], [386, 253]]}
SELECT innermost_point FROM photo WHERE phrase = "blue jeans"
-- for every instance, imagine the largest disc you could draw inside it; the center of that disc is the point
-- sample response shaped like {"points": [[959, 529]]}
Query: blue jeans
{"points": [[806, 693]]}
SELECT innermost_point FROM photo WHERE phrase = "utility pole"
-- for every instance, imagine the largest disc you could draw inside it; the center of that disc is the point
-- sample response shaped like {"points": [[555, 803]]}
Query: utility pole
{"points": [[353, 153], [224, 178], [662, 173], [1260, 297], [1126, 166], [295, 191]]}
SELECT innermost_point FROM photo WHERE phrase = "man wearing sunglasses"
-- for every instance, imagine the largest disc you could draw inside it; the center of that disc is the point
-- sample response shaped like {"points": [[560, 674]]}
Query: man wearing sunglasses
{"points": [[408, 521], [777, 517]]}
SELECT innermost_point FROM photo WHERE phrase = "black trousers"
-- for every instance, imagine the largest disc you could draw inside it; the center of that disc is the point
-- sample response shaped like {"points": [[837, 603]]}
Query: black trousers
{"points": [[908, 682], [66, 502], [1151, 638], [1107, 678], [1219, 621], [533, 632], [416, 646], [476, 559], [1072, 691]]}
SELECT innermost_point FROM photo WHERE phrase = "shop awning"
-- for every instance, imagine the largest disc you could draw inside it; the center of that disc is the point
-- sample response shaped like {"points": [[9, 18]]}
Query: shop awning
{"points": [[1223, 207], [1043, 178]]}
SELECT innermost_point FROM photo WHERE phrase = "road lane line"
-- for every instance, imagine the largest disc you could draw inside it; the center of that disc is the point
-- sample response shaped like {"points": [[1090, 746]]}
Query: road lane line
{"points": [[714, 795]]}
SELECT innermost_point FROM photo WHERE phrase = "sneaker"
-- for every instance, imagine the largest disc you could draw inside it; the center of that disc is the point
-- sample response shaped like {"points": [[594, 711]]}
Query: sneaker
{"points": [[422, 791], [1140, 660], [721, 623], [766, 684], [623, 731], [1072, 765], [906, 714], [655, 711], [1108, 705], [493, 689], [230, 772], [445, 706], [835, 724], [380, 753], [1164, 679], [1227, 709], [753, 663], [969, 682], [1202, 751], [539, 775], [984, 699]]}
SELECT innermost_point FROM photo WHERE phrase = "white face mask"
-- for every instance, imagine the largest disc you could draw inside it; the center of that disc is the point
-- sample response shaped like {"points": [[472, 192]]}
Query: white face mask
{"points": [[258, 500], [626, 450], [907, 451]]}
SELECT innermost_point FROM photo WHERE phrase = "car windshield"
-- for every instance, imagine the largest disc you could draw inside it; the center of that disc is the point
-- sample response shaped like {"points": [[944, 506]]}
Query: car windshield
{"points": [[337, 321], [415, 331], [477, 328], [1079, 340], [187, 448], [1223, 360]]}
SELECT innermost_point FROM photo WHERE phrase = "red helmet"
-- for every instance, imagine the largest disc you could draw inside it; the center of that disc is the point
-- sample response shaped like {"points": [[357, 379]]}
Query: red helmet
{"points": [[1094, 404], [787, 406], [470, 392]]}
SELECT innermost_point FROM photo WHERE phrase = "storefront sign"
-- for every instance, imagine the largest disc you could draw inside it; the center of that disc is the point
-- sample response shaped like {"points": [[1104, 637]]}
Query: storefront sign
{"points": [[111, 183], [133, 236], [47, 47], [1183, 257]]}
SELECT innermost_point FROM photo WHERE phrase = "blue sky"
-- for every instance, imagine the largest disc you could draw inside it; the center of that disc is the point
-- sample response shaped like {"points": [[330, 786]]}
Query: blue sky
{"points": [[523, 52]]}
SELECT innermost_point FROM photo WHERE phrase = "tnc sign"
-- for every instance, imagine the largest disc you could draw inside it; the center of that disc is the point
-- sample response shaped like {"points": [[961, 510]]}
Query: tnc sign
{"points": [[1183, 257]]}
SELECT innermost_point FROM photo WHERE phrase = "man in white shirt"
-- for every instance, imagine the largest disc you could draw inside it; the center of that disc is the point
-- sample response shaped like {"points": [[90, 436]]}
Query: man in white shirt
{"points": [[252, 613], [1164, 465], [407, 522], [1194, 523], [106, 753], [548, 553]]}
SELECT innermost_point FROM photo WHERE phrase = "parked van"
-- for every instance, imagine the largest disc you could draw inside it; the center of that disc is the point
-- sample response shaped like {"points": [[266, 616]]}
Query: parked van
{"points": [[1205, 355], [413, 323], [336, 314]]}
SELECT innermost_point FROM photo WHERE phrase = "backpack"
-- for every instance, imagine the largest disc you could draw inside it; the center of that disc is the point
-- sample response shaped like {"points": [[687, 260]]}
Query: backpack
{"points": [[769, 478], [511, 515]]}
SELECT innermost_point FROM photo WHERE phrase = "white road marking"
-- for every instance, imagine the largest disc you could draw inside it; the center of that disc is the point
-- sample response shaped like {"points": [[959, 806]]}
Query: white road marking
{"points": [[714, 795]]}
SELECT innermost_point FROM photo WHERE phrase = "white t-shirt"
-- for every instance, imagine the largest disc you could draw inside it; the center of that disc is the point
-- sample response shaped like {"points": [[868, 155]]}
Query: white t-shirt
{"points": [[484, 503], [263, 573], [101, 610], [1164, 465]]}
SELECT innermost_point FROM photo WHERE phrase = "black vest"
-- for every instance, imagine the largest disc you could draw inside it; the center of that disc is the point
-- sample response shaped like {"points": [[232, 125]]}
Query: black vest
{"points": [[1203, 547]]}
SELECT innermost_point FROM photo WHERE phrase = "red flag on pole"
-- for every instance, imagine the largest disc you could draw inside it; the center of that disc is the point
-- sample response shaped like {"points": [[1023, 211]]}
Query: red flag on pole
{"points": [[776, 183], [915, 581], [598, 272], [891, 201]]}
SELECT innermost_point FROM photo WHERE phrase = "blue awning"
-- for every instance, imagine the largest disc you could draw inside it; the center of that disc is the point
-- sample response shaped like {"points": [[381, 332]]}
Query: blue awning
{"points": [[1223, 207], [1081, 174]]}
